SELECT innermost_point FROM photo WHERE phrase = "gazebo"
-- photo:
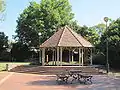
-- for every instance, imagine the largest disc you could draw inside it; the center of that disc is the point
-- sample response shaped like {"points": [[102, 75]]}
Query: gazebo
{"points": [[66, 45]]}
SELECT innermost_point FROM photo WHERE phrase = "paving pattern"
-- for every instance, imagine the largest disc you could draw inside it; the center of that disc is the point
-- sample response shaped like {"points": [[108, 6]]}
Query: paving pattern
{"points": [[22, 81], [3, 74]]}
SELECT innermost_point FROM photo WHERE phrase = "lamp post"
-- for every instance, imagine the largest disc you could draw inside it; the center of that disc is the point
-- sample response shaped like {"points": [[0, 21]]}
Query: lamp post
{"points": [[39, 49], [107, 62]]}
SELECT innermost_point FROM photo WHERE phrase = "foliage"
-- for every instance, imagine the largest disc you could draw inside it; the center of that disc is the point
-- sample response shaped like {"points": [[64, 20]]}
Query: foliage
{"points": [[2, 9], [2, 5], [95, 34], [3, 42], [92, 34], [99, 59], [2, 67], [5, 56], [112, 35], [20, 52], [42, 18]]}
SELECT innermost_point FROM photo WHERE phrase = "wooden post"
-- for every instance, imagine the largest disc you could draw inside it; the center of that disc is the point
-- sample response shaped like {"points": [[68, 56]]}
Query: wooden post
{"points": [[47, 59], [43, 56], [53, 57], [40, 56], [72, 56], [69, 56], [79, 56], [61, 56], [82, 56], [57, 56], [91, 57]]}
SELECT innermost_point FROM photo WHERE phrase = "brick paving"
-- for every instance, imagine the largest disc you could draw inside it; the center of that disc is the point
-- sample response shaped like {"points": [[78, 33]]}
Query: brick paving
{"points": [[22, 81], [3, 74]]}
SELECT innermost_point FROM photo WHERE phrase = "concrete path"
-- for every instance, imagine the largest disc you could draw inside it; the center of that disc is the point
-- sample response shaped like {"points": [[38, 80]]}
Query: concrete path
{"points": [[22, 81]]}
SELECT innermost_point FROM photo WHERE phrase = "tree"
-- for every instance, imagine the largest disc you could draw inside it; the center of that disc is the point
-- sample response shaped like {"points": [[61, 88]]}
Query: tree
{"points": [[2, 9], [19, 52], [2, 5], [89, 33], [42, 18], [3, 43], [113, 35], [92, 34], [100, 28], [95, 33]]}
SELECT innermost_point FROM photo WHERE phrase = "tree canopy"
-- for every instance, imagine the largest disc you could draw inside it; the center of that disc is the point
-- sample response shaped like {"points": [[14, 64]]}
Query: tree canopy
{"points": [[3, 43], [2, 9], [42, 18], [20, 52], [2, 6], [112, 35], [92, 34]]}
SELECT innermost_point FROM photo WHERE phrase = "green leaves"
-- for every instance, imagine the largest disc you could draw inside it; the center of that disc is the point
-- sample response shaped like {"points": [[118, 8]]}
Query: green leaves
{"points": [[113, 37], [2, 9], [3, 41], [42, 18], [20, 51], [2, 5]]}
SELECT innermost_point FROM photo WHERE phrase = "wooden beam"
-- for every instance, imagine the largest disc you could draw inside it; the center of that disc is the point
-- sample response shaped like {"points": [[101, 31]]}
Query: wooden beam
{"points": [[43, 56], [91, 57], [79, 56], [57, 56], [47, 59], [40, 56], [82, 56], [72, 56], [61, 56], [53, 57], [69, 56]]}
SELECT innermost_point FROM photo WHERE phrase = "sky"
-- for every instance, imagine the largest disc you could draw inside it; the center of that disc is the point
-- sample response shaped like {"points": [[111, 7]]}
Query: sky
{"points": [[87, 12]]}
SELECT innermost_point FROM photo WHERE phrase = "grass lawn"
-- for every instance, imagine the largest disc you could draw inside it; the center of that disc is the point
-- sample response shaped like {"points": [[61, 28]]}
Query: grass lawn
{"points": [[3, 64]]}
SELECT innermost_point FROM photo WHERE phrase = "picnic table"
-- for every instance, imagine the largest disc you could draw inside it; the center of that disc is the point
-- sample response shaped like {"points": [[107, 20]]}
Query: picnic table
{"points": [[76, 75], [62, 77], [85, 78], [74, 72]]}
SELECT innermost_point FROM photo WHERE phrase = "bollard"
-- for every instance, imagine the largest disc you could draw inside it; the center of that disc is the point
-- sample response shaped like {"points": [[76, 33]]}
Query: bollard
{"points": [[6, 67]]}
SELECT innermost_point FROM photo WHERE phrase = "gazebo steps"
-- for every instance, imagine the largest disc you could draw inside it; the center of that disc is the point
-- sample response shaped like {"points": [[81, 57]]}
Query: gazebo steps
{"points": [[54, 69]]}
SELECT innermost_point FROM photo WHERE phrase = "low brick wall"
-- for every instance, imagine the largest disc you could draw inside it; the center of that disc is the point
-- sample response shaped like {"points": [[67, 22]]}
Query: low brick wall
{"points": [[10, 66], [51, 69]]}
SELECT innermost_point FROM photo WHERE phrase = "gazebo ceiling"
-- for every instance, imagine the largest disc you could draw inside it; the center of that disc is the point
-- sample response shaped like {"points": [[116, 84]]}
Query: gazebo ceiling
{"points": [[66, 37]]}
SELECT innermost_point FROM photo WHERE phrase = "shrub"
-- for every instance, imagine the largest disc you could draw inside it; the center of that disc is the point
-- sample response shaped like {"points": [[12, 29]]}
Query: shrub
{"points": [[99, 59]]}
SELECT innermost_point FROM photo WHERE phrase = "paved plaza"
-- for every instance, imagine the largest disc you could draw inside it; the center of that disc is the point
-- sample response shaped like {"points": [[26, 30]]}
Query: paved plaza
{"points": [[22, 81]]}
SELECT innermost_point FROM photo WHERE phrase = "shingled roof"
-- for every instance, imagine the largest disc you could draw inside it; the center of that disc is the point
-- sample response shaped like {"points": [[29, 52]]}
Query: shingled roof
{"points": [[66, 37]]}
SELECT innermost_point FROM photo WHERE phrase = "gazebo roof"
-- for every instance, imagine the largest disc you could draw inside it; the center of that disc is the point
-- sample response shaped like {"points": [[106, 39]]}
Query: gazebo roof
{"points": [[66, 37]]}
